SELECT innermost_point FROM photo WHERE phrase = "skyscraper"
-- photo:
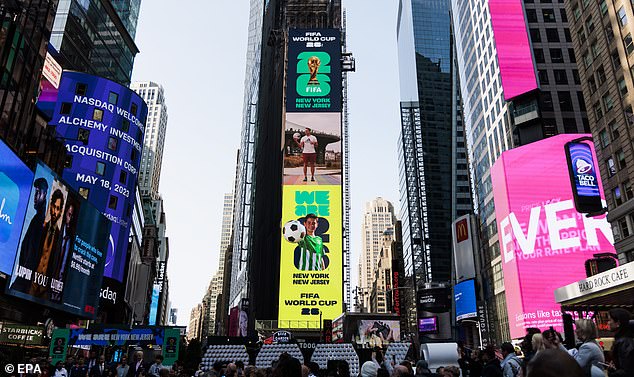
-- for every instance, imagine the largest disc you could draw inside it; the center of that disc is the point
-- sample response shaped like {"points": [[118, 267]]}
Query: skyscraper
{"points": [[377, 218], [90, 36], [603, 48], [510, 101], [154, 139]]}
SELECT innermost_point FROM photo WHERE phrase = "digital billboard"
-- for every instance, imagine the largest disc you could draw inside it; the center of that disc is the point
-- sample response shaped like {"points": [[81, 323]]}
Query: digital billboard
{"points": [[544, 241], [311, 267], [62, 248], [16, 180], [463, 242], [465, 299], [102, 124], [314, 70], [514, 51], [583, 177], [378, 332], [428, 325]]}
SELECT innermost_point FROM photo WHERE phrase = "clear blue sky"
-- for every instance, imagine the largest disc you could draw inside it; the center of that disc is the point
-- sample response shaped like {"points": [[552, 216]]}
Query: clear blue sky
{"points": [[196, 50]]}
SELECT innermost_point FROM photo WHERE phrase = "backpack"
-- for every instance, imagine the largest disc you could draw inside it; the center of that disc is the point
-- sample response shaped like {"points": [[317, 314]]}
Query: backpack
{"points": [[516, 366]]}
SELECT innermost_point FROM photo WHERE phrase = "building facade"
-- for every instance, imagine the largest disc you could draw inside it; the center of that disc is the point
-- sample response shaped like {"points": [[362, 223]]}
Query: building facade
{"points": [[381, 289], [195, 322], [377, 218], [154, 138], [603, 48], [496, 120], [90, 36]]}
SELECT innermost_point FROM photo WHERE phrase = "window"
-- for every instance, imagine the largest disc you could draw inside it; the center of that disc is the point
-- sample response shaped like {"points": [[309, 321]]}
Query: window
{"points": [[576, 12], [547, 101], [66, 108], [571, 55], [581, 34], [625, 230], [604, 7], [614, 129], [622, 86], [592, 84], [564, 17], [616, 60], [582, 102], [112, 202], [556, 56], [84, 191], [68, 161], [535, 36], [570, 125], [539, 55], [611, 167], [80, 89], [600, 75], [543, 76], [575, 77], [560, 76], [83, 135], [552, 35], [629, 45], [604, 138], [598, 111], [112, 143], [567, 35], [608, 101], [531, 15], [609, 34], [627, 190], [549, 15], [97, 114], [616, 193], [622, 16], [125, 125], [620, 158], [587, 59], [123, 177], [133, 109], [113, 98], [589, 24], [101, 168], [565, 102]]}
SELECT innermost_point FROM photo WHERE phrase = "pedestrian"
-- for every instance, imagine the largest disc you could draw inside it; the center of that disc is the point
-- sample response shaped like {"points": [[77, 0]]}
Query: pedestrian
{"points": [[156, 367], [553, 340], [623, 347], [422, 369], [60, 371], [511, 365], [123, 367], [553, 362], [491, 364], [475, 368], [590, 355], [369, 369]]}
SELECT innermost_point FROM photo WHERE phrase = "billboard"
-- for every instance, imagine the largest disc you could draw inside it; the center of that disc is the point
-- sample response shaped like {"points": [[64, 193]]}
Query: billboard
{"points": [[514, 51], [463, 241], [311, 262], [544, 241], [102, 123], [16, 180], [314, 70], [465, 298], [62, 248], [378, 332], [428, 325], [583, 177]]}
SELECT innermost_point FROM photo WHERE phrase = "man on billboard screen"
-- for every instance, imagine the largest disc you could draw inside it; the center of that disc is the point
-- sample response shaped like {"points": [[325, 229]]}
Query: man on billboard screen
{"points": [[308, 144], [311, 257]]}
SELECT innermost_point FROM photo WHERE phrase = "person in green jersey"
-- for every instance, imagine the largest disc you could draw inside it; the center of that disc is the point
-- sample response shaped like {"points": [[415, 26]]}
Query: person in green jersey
{"points": [[311, 257]]}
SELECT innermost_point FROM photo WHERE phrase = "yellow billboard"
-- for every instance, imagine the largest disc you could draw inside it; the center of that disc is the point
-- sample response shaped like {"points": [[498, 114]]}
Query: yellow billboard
{"points": [[311, 270]]}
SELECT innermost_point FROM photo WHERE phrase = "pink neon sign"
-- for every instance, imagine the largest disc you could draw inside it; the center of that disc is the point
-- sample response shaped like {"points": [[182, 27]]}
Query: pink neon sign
{"points": [[544, 241], [513, 49]]}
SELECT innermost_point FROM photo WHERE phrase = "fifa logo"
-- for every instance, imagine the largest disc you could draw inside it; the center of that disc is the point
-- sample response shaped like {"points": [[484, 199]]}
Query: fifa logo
{"points": [[462, 231], [313, 69]]}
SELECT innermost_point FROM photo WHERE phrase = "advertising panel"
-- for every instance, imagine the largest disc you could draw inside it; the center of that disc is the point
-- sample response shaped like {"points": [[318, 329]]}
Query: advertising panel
{"points": [[62, 250], [583, 177], [544, 241], [314, 70], [465, 297], [102, 124], [311, 272], [21, 334], [16, 180], [433, 299], [428, 325], [378, 333], [311, 267], [513, 48], [463, 248]]}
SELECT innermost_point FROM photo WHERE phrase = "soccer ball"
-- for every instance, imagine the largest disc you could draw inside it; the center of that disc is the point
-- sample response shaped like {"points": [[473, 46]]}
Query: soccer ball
{"points": [[294, 231], [296, 136]]}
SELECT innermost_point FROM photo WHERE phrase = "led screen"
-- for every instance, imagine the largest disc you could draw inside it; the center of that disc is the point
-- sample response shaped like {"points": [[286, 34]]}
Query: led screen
{"points": [[544, 241], [16, 180], [428, 325], [62, 248], [465, 298], [102, 124], [378, 332], [513, 48]]}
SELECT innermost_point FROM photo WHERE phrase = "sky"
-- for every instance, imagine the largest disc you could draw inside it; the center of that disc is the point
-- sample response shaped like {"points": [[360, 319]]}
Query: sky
{"points": [[197, 52]]}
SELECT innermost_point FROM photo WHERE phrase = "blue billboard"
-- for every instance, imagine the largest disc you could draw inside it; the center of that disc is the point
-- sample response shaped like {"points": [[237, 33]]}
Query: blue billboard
{"points": [[102, 124], [15, 187], [62, 248], [464, 294]]}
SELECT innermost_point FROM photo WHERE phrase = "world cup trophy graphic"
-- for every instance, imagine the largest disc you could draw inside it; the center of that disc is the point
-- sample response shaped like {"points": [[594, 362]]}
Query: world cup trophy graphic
{"points": [[313, 67]]}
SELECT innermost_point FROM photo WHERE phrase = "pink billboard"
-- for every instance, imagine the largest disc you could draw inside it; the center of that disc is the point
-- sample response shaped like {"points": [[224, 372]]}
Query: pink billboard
{"points": [[544, 241], [513, 48]]}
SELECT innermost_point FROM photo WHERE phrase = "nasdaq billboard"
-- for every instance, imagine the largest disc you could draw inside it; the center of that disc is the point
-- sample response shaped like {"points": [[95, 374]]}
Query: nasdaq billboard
{"points": [[102, 125], [62, 248], [311, 267], [544, 240], [16, 180]]}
